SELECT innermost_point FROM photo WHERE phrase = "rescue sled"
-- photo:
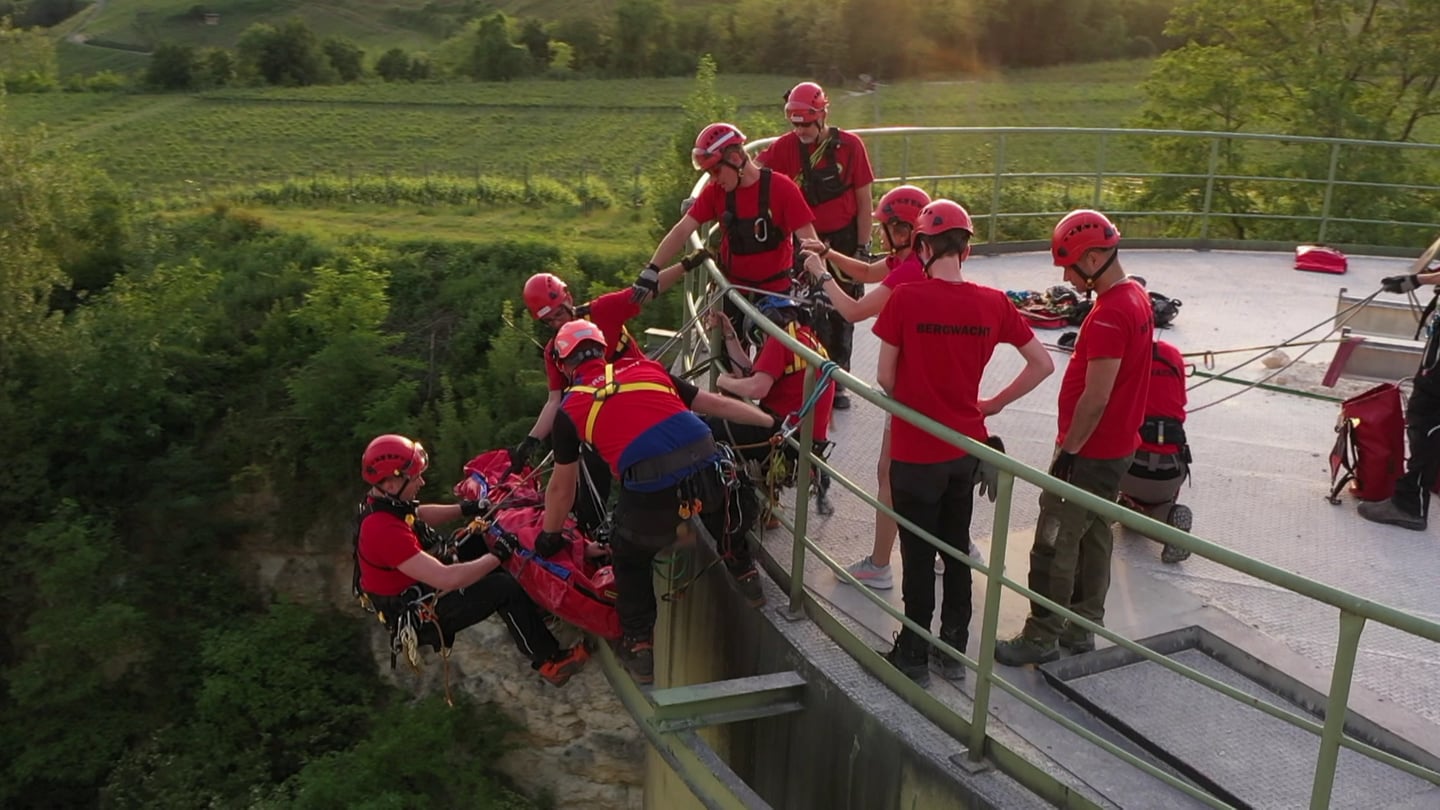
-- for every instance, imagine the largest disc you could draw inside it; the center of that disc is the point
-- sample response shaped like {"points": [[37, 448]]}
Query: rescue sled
{"points": [[568, 584], [1320, 259]]}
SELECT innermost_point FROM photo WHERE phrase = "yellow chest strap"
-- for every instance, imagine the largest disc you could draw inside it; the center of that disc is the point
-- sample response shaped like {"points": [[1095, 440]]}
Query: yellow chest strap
{"points": [[797, 363], [601, 393]]}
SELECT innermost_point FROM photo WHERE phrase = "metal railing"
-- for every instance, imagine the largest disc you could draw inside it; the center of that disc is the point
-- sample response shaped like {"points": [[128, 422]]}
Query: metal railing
{"points": [[1354, 611]]}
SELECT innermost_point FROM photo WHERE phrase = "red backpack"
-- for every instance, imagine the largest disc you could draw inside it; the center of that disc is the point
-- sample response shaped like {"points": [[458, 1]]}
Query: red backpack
{"points": [[1369, 452]]}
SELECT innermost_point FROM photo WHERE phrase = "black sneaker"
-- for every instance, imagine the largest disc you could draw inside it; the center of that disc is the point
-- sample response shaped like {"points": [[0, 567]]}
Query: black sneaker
{"points": [[842, 401], [910, 665], [638, 658], [951, 669], [1387, 512], [1020, 650]]}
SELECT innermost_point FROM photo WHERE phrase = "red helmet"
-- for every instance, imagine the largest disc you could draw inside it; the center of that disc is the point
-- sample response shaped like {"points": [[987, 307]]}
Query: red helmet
{"points": [[711, 143], [391, 455], [544, 292], [944, 215], [902, 204], [1080, 231], [805, 103], [575, 334]]}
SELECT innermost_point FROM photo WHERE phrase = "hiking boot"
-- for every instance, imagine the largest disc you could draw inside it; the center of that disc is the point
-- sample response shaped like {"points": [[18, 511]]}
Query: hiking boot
{"points": [[638, 657], [565, 664], [772, 522], [911, 665], [748, 581], [875, 577], [1076, 641], [842, 400], [1021, 650], [1173, 554], [1387, 512], [951, 669]]}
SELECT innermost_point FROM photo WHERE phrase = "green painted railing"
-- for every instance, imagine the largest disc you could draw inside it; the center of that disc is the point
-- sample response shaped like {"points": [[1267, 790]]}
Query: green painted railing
{"points": [[1354, 610]]}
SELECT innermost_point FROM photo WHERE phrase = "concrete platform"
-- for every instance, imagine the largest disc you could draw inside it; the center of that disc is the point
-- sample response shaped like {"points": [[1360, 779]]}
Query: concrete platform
{"points": [[1259, 483]]}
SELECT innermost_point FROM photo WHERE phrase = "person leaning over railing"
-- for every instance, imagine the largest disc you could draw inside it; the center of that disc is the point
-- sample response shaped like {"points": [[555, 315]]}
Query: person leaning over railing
{"points": [[898, 212], [937, 335], [776, 378], [1102, 404]]}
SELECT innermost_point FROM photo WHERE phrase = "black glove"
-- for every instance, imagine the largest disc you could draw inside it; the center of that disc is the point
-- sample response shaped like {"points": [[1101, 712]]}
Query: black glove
{"points": [[777, 424], [694, 259], [503, 547], [647, 286], [472, 509], [520, 455], [1399, 284], [987, 477], [548, 544], [1063, 466]]}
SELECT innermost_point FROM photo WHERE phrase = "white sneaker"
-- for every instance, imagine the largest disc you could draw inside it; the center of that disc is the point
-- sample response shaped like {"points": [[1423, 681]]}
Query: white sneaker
{"points": [[872, 576], [940, 564]]}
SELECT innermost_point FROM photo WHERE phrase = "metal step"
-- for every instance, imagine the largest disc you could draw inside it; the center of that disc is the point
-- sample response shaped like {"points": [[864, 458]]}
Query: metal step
{"points": [[1235, 751], [1378, 318]]}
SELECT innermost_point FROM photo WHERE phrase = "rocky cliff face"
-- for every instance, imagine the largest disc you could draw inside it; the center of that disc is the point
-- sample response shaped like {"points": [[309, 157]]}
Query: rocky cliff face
{"points": [[577, 744]]}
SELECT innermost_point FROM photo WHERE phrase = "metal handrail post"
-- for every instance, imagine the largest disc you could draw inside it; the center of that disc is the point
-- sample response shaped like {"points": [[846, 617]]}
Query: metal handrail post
{"points": [[990, 621], [802, 497], [1209, 189], [1341, 675], [1100, 174], [995, 189], [1329, 190]]}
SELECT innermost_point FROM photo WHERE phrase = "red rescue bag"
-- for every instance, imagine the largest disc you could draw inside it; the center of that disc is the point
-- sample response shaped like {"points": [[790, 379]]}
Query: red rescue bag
{"points": [[1369, 452], [569, 585]]}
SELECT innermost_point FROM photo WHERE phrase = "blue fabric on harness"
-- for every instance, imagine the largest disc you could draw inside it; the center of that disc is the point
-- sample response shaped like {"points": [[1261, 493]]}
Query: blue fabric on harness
{"points": [[674, 432]]}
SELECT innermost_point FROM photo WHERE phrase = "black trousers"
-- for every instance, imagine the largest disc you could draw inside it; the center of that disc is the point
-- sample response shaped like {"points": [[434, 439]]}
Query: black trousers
{"points": [[835, 333], [646, 524], [496, 593], [939, 498], [1422, 428]]}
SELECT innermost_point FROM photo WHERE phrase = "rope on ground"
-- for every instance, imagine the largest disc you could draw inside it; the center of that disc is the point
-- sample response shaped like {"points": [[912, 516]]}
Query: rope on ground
{"points": [[1341, 318]]}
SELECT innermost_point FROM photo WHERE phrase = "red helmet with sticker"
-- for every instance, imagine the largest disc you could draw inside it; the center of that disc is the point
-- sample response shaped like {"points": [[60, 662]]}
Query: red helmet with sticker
{"points": [[805, 103], [543, 293], [575, 334], [902, 204], [391, 455], [944, 215], [1080, 231], [712, 143]]}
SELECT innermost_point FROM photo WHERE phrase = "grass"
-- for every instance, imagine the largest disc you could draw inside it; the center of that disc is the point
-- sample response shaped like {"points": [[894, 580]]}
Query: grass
{"points": [[612, 129]]}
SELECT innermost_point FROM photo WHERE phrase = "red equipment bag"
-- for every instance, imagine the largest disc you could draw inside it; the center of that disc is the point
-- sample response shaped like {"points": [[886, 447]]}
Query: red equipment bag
{"points": [[1369, 450], [568, 584], [1320, 259]]}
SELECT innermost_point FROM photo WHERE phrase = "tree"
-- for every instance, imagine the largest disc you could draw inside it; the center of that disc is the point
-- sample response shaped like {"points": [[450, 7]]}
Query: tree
{"points": [[674, 175], [393, 65], [1331, 68], [288, 56], [536, 41], [345, 57], [27, 58], [172, 67], [217, 67], [642, 29], [496, 57]]}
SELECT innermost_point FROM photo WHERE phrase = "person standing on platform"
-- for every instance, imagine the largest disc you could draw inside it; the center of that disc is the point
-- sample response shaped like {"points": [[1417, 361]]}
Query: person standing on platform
{"points": [[1102, 404], [833, 169]]}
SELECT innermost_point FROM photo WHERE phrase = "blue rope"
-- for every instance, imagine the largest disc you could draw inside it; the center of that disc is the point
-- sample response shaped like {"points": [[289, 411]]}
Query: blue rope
{"points": [[827, 369]]}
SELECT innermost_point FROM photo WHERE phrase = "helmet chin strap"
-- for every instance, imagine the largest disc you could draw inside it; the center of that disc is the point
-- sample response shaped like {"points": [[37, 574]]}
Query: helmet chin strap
{"points": [[1090, 278], [895, 247]]}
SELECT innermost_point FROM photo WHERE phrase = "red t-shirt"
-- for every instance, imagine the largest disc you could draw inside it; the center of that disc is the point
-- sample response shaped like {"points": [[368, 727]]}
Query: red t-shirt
{"points": [[1167, 391], [789, 212], [788, 393], [1121, 324], [609, 312], [903, 271], [629, 425], [386, 540], [946, 332], [783, 156]]}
